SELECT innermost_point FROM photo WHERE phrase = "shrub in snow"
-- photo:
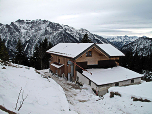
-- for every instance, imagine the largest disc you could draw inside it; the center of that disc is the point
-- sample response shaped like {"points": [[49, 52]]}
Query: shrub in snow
{"points": [[111, 94], [147, 75], [140, 99], [118, 94], [114, 93], [3, 68]]}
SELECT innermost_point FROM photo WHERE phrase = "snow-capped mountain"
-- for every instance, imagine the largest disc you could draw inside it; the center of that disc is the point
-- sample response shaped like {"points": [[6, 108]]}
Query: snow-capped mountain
{"points": [[120, 41], [143, 46], [32, 32]]}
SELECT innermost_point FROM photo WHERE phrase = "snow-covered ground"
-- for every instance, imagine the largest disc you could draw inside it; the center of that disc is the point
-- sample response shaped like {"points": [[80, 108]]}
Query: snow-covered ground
{"points": [[46, 97], [43, 97], [127, 105], [84, 101]]}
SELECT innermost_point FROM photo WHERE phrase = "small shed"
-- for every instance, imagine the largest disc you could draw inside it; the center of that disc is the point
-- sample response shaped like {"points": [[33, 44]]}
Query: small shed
{"points": [[101, 79]]}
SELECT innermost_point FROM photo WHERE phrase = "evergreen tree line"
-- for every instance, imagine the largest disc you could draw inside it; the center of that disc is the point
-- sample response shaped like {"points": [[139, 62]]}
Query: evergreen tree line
{"points": [[39, 60], [136, 63]]}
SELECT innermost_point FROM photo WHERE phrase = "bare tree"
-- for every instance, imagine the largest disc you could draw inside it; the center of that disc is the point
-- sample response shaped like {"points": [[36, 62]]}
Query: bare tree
{"points": [[22, 101]]}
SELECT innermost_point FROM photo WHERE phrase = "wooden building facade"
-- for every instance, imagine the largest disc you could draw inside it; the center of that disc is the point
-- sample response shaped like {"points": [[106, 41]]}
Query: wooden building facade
{"points": [[67, 59], [60, 66]]}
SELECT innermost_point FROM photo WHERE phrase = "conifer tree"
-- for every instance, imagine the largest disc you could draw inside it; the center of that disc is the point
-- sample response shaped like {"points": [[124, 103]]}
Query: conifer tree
{"points": [[85, 39], [35, 61], [150, 61], [41, 53], [129, 58], [40, 58], [137, 62], [3, 51], [142, 62], [19, 57], [45, 56]]}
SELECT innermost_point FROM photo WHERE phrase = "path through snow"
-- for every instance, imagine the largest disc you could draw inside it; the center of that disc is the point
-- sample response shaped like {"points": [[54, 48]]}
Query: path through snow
{"points": [[82, 99]]}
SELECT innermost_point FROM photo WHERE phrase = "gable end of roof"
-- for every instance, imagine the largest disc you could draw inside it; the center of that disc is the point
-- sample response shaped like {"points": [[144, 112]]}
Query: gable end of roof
{"points": [[84, 51], [102, 51]]}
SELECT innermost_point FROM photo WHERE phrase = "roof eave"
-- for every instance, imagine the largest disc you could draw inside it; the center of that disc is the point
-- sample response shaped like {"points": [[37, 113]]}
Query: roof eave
{"points": [[118, 81], [118, 55], [62, 56]]}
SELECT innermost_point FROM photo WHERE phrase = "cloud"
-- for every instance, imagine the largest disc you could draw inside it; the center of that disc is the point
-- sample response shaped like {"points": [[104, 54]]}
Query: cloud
{"points": [[67, 17], [99, 16]]}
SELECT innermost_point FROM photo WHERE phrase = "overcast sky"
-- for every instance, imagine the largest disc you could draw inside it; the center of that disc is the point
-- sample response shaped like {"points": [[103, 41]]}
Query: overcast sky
{"points": [[102, 17]]}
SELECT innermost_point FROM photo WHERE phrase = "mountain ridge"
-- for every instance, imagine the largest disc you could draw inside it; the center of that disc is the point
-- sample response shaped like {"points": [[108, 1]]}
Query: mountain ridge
{"points": [[142, 45], [32, 32], [120, 41]]}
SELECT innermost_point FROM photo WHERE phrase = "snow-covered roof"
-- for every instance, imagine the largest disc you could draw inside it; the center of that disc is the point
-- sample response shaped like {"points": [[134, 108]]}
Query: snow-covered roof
{"points": [[110, 50], [110, 75], [69, 49], [74, 49]]}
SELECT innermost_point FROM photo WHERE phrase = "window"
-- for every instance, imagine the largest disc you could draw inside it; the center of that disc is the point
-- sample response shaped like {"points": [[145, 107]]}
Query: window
{"points": [[58, 60], [132, 81], [89, 54], [117, 84]]}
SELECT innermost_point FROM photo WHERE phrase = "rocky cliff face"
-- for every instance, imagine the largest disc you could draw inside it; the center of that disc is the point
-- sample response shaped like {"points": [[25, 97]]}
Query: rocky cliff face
{"points": [[143, 46], [120, 41], [32, 32]]}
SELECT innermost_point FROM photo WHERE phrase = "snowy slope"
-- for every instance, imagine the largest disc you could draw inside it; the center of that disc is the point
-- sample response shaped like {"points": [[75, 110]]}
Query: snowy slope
{"points": [[32, 32], [84, 101], [44, 97]]}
